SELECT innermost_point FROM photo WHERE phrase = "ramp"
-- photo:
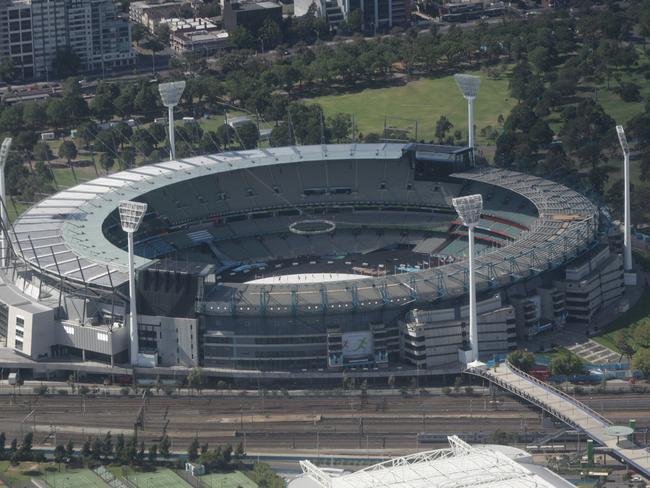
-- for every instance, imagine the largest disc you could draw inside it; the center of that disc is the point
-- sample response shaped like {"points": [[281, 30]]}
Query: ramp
{"points": [[567, 409]]}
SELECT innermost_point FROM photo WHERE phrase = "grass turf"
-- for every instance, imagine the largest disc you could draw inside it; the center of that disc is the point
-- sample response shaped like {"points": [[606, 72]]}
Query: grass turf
{"points": [[424, 100], [74, 478], [628, 320], [236, 479], [161, 478]]}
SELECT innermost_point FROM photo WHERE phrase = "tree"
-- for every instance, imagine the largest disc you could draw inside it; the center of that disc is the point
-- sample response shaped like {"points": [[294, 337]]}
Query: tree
{"points": [[107, 446], [127, 157], [239, 453], [641, 333], [162, 32], [443, 126], [195, 378], [641, 361], [120, 448], [566, 363], [85, 449], [34, 116], [542, 59], [193, 450], [340, 126], [68, 151], [25, 452], [102, 105], [66, 63], [7, 70], [522, 360], [107, 161], [42, 152], [152, 454], [248, 135], [11, 119], [97, 448], [624, 340], [269, 34], [3, 441], [241, 38], [59, 454], [139, 458], [138, 32], [69, 450], [265, 477], [165, 445], [57, 113], [630, 92]]}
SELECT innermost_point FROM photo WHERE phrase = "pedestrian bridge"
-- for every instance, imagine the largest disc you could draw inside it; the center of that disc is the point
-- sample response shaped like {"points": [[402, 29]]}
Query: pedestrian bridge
{"points": [[567, 409]]}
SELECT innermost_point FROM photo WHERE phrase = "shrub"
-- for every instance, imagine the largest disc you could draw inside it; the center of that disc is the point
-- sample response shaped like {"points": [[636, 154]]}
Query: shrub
{"points": [[446, 390], [61, 392], [125, 390]]}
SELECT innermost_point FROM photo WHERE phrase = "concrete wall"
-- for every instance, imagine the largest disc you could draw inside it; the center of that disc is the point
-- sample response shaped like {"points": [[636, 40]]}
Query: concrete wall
{"points": [[177, 339]]}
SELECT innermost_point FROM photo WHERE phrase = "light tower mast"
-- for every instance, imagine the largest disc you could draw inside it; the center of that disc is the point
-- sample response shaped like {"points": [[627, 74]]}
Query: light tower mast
{"points": [[171, 94], [131, 214], [4, 154], [469, 85], [469, 210], [626, 191]]}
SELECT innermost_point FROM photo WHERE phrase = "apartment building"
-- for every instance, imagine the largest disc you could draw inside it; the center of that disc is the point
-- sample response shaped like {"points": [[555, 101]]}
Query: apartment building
{"points": [[33, 31]]}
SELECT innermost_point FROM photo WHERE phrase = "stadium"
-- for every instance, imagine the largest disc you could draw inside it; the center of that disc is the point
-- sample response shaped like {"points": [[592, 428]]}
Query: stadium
{"points": [[306, 259]]}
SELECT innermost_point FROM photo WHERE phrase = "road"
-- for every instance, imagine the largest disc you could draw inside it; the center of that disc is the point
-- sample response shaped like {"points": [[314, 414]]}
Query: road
{"points": [[276, 424]]}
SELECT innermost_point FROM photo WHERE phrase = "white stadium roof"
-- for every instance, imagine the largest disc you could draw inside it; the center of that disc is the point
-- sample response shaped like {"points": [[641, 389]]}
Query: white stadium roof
{"points": [[460, 465]]}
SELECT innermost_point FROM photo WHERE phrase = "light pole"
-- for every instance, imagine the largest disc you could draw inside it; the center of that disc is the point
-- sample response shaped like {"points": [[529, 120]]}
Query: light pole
{"points": [[171, 94], [469, 210], [131, 214], [627, 241], [4, 154], [469, 85]]}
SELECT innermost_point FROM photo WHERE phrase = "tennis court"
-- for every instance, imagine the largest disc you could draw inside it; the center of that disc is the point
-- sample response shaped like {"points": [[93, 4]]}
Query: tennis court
{"points": [[236, 479], [161, 478], [74, 478]]}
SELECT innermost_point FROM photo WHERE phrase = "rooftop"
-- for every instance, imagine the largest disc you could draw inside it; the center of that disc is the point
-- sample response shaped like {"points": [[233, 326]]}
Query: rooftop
{"points": [[460, 465]]}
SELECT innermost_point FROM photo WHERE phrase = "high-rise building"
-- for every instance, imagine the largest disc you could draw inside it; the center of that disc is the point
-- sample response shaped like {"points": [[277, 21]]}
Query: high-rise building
{"points": [[376, 15], [33, 31]]}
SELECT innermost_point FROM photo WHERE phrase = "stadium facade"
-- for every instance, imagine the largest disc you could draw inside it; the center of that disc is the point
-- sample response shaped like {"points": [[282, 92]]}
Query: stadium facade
{"points": [[309, 258]]}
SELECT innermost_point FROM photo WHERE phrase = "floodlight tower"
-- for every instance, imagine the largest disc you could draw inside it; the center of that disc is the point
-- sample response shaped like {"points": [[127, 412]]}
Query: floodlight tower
{"points": [[627, 241], [469, 210], [171, 94], [469, 85], [4, 154], [131, 214]]}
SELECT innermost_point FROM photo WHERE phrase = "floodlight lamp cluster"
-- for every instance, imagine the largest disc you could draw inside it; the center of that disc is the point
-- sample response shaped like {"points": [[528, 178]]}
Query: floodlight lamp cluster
{"points": [[469, 208], [4, 151], [131, 214], [622, 139], [468, 85], [171, 92]]}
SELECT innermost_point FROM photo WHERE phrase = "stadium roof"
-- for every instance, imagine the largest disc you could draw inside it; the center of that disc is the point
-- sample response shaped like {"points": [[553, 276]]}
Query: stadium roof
{"points": [[460, 465], [62, 235]]}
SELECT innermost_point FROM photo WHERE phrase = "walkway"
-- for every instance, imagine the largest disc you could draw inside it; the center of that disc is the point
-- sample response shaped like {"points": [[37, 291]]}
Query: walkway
{"points": [[567, 409]]}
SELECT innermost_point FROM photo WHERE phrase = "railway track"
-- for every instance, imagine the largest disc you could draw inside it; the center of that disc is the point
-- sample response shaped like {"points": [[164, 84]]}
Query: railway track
{"points": [[278, 423]]}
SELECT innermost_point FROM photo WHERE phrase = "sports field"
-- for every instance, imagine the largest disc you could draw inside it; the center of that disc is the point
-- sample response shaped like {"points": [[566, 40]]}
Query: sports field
{"points": [[236, 479], [423, 100], [74, 478], [161, 478]]}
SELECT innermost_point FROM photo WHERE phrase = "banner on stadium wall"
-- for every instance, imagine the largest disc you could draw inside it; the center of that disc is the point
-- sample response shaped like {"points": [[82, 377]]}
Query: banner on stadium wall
{"points": [[357, 344]]}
